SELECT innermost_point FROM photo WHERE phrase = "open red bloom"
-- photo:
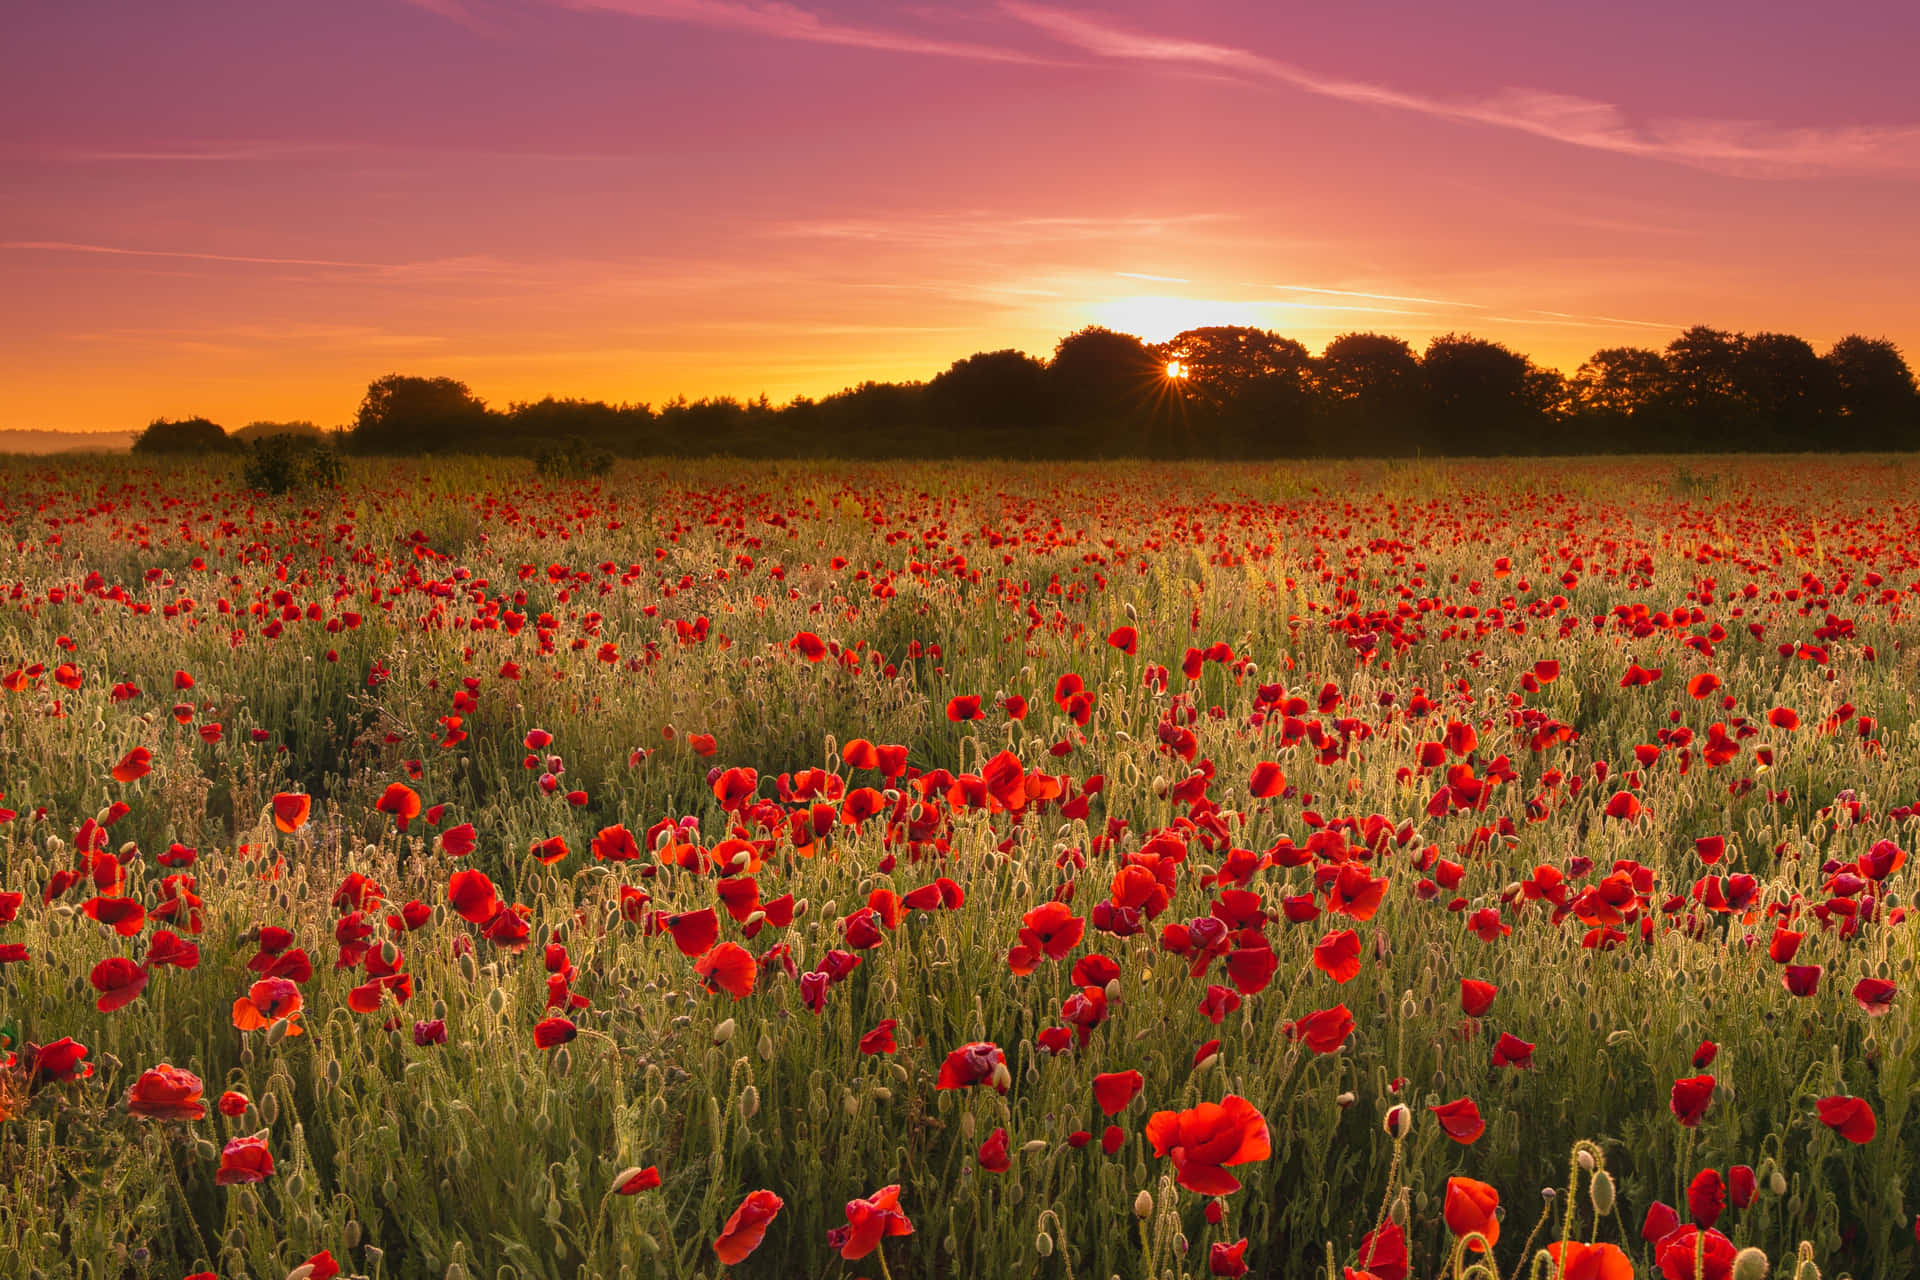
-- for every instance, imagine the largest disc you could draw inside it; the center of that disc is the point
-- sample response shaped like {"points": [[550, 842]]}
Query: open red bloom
{"points": [[1225, 1259], [973, 1064], [119, 982], [1338, 955], [1690, 1099], [730, 967], [472, 896], [1323, 1031], [1383, 1252], [401, 801], [1851, 1118], [291, 811], [1875, 995], [458, 842], [123, 915], [1476, 997], [1267, 781], [244, 1160], [993, 1155], [1511, 1051], [747, 1227], [167, 1092], [1460, 1119], [133, 766], [1675, 1255], [1113, 1090], [880, 1039], [1470, 1208], [1706, 1197], [869, 1221], [1591, 1262], [694, 931], [1203, 1140], [1048, 932]]}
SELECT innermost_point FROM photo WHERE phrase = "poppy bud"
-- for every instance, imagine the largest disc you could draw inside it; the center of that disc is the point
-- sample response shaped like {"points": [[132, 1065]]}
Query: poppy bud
{"points": [[276, 1031], [1585, 1159], [765, 1047], [351, 1233], [1750, 1264], [1043, 1244], [1600, 1191], [1113, 990], [269, 1107], [1037, 1145], [497, 1001], [723, 1032], [1002, 1078], [1778, 1183], [296, 1186], [967, 1126], [562, 1063], [1344, 1101], [880, 1093], [1143, 1205], [749, 1103], [1180, 1242], [205, 1150], [1399, 1122], [1408, 1008]]}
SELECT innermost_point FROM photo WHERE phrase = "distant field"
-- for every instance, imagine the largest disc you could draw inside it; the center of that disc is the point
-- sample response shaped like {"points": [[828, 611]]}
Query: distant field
{"points": [[1149, 870], [65, 441]]}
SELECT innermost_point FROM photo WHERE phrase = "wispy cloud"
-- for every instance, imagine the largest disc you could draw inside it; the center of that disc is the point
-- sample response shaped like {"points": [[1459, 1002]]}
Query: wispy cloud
{"points": [[65, 246], [791, 22], [1379, 297], [984, 227], [1748, 147], [1141, 275]]}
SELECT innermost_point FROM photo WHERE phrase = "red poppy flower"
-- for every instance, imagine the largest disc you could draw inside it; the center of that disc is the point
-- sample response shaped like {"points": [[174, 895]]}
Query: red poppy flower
{"points": [[1742, 1188], [974, 1064], [1049, 931], [1323, 1031], [1469, 1208], [1338, 955], [291, 811], [809, 646], [1590, 1262], [167, 1093], [993, 1155], [551, 1033], [1706, 1198], [57, 1062], [125, 916], [631, 1182], [1113, 1090], [472, 896], [119, 982], [1661, 1221], [268, 1001], [167, 948], [401, 801], [232, 1105], [1383, 1252], [458, 842], [244, 1160], [615, 844], [1476, 997], [1875, 995], [1203, 1140], [869, 1221], [730, 967], [1511, 1051], [1225, 1259], [694, 931], [747, 1227], [133, 766], [1851, 1118], [1267, 780], [964, 708], [1675, 1255], [1460, 1119], [1690, 1099], [1125, 639], [1801, 979], [880, 1039]]}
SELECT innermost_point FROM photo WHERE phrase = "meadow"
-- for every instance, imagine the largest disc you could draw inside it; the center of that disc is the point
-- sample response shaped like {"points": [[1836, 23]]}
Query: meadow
{"points": [[1469, 869]]}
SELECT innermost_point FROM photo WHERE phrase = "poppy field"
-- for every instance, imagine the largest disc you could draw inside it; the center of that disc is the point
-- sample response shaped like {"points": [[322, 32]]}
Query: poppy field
{"points": [[1351, 870]]}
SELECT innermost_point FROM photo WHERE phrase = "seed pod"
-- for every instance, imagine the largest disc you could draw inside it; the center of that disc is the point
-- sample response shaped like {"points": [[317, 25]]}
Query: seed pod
{"points": [[1600, 1191]]}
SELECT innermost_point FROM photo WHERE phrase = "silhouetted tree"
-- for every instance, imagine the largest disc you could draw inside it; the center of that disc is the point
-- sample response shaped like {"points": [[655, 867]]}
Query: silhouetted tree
{"points": [[1790, 397], [1700, 407], [999, 398], [1614, 397], [185, 435], [1112, 387], [1369, 385], [1879, 407], [402, 414], [1482, 397], [1252, 387]]}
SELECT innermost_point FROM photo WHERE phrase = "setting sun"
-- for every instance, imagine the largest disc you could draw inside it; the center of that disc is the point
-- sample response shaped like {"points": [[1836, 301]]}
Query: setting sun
{"points": [[1176, 370]]}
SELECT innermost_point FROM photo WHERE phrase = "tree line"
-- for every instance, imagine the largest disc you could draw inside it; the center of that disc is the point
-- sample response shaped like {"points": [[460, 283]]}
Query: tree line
{"points": [[1223, 391]]}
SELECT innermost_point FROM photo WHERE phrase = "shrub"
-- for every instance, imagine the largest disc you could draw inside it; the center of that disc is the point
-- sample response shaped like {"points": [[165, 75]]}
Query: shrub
{"points": [[572, 459], [286, 462]]}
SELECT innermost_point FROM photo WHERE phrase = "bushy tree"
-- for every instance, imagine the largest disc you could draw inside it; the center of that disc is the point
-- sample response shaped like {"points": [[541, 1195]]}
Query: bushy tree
{"points": [[183, 435], [402, 414]]}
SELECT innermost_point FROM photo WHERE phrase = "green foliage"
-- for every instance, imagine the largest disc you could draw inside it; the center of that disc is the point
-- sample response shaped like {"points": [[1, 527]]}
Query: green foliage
{"points": [[572, 459], [283, 462], [184, 436]]}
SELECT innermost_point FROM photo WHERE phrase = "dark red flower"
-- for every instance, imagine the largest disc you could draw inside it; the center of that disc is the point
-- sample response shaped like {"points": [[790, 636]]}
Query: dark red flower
{"points": [[1203, 1140]]}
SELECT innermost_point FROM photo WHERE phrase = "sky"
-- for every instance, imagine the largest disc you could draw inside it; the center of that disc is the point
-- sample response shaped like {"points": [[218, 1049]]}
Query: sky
{"points": [[250, 210]]}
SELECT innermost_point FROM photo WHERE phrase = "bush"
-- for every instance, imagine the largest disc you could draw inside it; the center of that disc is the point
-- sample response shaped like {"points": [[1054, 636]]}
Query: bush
{"points": [[572, 459], [286, 462], [188, 435]]}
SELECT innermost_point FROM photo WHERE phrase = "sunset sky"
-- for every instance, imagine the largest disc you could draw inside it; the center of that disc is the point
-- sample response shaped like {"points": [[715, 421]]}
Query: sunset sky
{"points": [[249, 210]]}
